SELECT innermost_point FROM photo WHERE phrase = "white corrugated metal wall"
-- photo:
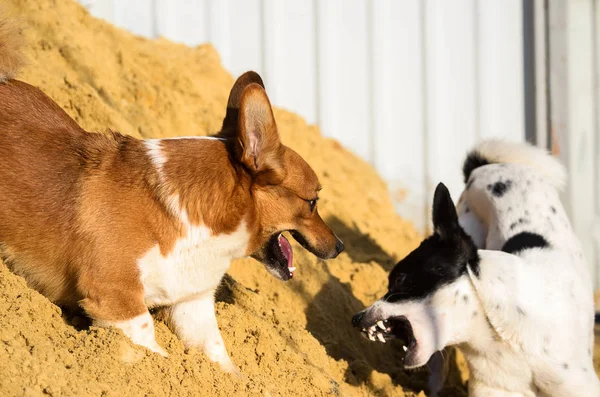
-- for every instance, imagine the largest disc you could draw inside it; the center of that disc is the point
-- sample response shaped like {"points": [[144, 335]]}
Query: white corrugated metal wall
{"points": [[574, 77], [408, 85]]}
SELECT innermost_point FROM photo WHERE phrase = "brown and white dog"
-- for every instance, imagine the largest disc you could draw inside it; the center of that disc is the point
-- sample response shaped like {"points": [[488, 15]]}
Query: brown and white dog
{"points": [[116, 225]]}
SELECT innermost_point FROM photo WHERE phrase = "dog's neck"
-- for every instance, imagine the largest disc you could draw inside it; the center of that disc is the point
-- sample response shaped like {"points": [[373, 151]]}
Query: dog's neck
{"points": [[200, 184]]}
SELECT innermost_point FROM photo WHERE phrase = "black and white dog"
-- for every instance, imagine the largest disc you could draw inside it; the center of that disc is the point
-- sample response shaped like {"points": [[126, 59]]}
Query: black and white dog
{"points": [[503, 277]]}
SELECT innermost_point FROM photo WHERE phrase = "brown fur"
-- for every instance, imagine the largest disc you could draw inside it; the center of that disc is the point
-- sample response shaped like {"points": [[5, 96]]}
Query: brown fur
{"points": [[77, 209]]}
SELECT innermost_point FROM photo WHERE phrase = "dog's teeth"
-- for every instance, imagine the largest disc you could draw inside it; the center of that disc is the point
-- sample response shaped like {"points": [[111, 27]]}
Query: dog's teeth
{"points": [[381, 338], [372, 337], [364, 330], [292, 269], [380, 324], [404, 348]]}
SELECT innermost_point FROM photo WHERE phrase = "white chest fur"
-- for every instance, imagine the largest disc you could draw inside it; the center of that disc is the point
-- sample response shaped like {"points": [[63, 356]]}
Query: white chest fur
{"points": [[195, 265]]}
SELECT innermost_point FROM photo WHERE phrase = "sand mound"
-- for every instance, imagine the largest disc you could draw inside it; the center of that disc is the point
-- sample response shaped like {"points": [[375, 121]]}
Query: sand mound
{"points": [[289, 339]]}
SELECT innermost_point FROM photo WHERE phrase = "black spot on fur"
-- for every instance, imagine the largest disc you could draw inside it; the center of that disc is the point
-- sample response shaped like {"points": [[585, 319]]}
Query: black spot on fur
{"points": [[524, 240], [519, 221], [475, 314], [465, 299], [553, 209], [500, 188], [520, 311], [474, 160], [467, 210], [565, 366], [509, 209]]}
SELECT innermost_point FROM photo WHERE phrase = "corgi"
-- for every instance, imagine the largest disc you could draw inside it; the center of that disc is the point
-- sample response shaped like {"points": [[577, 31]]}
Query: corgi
{"points": [[116, 225], [503, 277]]}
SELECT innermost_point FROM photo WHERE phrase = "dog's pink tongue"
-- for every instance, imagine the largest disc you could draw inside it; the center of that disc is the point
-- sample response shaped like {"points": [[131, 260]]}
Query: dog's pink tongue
{"points": [[286, 248]]}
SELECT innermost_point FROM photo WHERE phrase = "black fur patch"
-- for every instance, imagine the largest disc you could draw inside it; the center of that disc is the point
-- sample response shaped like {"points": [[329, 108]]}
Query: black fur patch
{"points": [[439, 260], [524, 240], [519, 221], [473, 160], [500, 188]]}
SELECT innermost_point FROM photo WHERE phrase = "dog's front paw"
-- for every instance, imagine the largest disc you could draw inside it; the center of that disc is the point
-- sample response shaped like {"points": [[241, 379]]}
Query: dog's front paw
{"points": [[232, 369], [216, 352]]}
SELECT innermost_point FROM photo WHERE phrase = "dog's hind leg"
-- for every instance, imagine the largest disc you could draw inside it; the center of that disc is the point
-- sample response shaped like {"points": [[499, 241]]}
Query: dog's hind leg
{"points": [[119, 303], [139, 329]]}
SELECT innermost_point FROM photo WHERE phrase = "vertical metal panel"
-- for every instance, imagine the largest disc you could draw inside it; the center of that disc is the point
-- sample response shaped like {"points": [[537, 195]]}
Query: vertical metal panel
{"points": [[290, 55], [595, 235], [136, 16], [398, 120], [580, 137], [246, 39], [452, 105], [104, 9], [184, 21], [540, 16], [328, 62], [220, 34], [500, 63], [344, 67], [573, 118]]}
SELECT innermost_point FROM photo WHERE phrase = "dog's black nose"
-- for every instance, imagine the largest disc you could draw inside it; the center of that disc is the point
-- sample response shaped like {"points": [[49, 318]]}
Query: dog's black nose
{"points": [[339, 246], [357, 319]]}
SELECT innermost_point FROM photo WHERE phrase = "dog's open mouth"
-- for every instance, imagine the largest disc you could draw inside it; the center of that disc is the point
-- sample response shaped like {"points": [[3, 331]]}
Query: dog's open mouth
{"points": [[393, 328], [279, 257]]}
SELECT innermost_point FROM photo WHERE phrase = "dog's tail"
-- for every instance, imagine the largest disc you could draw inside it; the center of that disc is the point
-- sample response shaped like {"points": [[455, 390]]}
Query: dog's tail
{"points": [[498, 151], [11, 45]]}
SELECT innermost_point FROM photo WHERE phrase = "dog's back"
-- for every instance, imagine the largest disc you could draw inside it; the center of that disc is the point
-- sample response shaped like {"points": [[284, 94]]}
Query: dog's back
{"points": [[511, 203]]}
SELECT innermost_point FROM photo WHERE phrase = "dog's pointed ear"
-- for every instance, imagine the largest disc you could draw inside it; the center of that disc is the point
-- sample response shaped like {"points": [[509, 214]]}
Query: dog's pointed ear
{"points": [[259, 147], [445, 219], [235, 97]]}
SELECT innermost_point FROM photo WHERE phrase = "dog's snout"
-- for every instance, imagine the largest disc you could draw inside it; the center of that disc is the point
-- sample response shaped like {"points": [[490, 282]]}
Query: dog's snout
{"points": [[339, 246], [357, 319]]}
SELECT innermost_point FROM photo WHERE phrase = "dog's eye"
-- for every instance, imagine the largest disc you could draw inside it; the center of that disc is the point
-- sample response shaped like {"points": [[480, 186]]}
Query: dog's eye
{"points": [[399, 279], [312, 204]]}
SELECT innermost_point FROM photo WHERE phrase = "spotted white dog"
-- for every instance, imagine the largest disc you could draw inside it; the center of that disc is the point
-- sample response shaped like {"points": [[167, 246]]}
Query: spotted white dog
{"points": [[503, 277]]}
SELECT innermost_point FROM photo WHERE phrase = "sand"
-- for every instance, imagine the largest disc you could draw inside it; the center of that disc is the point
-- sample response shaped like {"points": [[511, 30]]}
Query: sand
{"points": [[289, 339]]}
